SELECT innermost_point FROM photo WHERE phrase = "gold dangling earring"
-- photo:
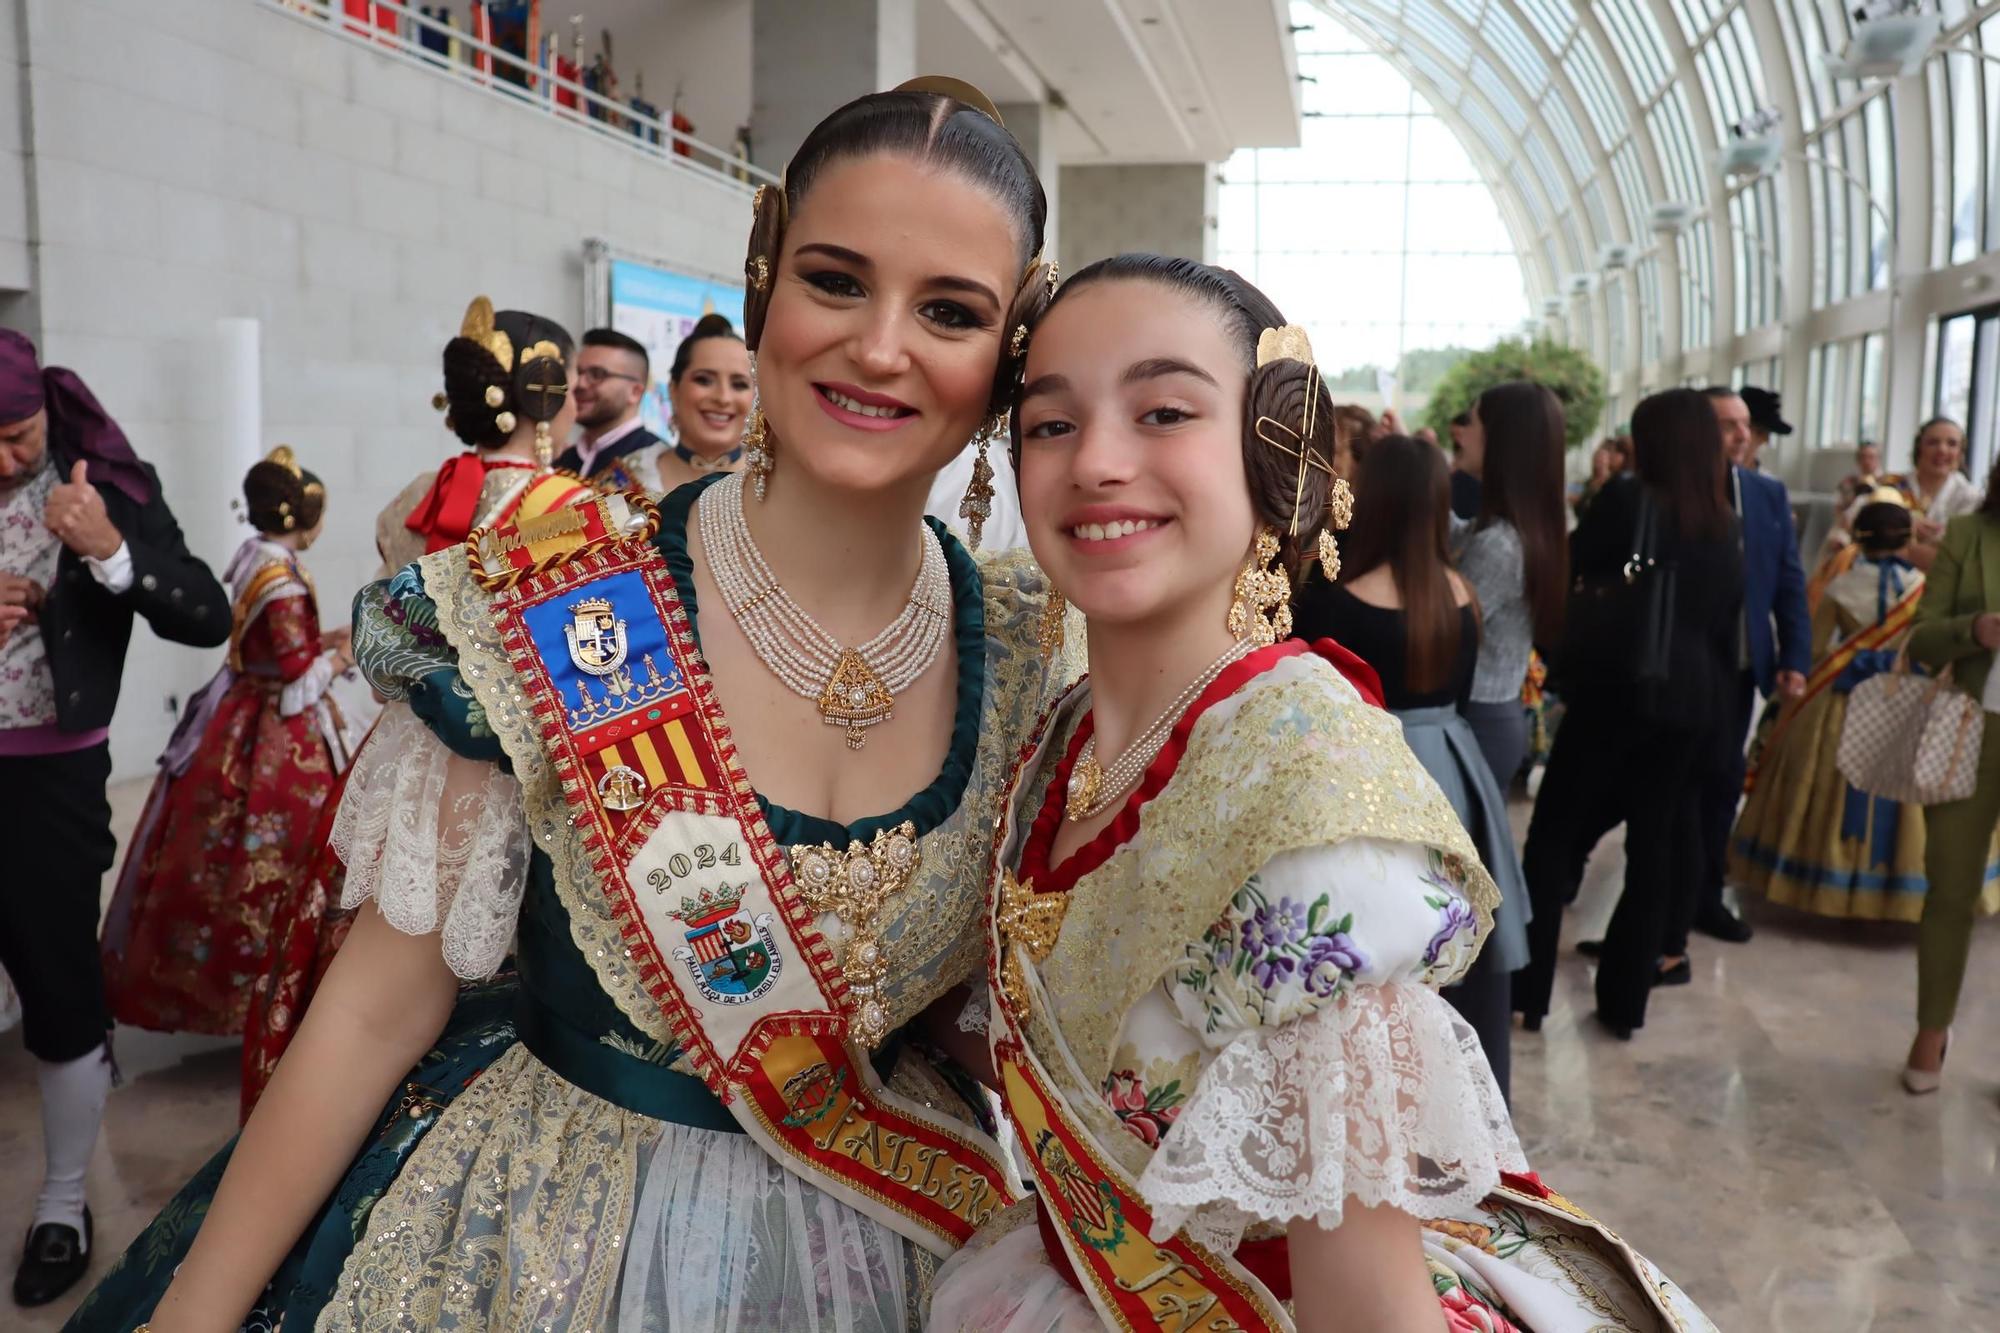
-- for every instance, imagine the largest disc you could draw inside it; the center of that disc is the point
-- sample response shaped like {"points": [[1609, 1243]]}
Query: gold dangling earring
{"points": [[1262, 609], [1049, 629], [1339, 513], [545, 451], [977, 504], [758, 460]]}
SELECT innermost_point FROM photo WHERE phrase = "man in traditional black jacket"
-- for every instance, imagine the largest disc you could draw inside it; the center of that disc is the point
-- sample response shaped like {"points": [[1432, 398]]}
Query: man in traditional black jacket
{"points": [[86, 543]]}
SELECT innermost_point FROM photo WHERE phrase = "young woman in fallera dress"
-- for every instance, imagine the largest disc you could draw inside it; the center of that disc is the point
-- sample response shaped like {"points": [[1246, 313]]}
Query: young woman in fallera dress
{"points": [[497, 478], [720, 1112], [1225, 894]]}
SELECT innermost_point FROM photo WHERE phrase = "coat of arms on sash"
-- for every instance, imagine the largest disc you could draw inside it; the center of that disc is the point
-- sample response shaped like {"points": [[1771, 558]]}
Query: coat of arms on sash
{"points": [[732, 956], [597, 644]]}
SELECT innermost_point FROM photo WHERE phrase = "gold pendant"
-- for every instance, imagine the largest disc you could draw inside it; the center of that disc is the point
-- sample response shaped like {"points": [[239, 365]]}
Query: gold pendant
{"points": [[1085, 781], [855, 885], [855, 698]]}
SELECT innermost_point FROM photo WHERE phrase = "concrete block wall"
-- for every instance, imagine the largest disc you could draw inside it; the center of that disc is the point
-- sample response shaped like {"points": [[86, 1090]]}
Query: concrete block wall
{"points": [[1166, 208], [207, 159]]}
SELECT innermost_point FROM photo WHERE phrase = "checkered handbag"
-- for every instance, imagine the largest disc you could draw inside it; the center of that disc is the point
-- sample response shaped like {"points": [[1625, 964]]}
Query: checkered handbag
{"points": [[1909, 738]]}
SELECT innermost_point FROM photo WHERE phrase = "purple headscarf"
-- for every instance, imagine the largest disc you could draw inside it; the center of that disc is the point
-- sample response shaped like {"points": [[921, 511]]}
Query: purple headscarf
{"points": [[76, 418]]}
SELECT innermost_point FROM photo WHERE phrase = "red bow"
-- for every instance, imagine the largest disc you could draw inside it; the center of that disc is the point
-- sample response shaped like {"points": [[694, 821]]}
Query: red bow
{"points": [[446, 513]]}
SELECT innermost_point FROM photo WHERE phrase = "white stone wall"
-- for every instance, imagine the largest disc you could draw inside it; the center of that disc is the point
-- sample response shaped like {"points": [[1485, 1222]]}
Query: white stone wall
{"points": [[205, 159]]}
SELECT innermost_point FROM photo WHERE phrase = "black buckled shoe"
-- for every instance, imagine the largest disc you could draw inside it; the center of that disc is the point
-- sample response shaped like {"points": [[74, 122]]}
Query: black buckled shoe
{"points": [[54, 1259]]}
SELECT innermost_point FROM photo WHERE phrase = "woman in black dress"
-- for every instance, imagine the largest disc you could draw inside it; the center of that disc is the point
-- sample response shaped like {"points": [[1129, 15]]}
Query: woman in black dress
{"points": [[1635, 736], [1401, 608]]}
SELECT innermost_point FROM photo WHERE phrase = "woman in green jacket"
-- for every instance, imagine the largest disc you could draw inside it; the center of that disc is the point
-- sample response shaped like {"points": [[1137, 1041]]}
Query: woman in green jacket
{"points": [[1957, 626]]}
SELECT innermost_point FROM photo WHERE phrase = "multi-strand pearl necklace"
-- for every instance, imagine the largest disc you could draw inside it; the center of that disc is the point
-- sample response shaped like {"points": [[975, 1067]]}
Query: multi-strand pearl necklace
{"points": [[855, 688], [1092, 788]]}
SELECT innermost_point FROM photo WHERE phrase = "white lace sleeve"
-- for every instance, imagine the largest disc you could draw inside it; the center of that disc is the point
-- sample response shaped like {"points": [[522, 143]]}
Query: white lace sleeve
{"points": [[311, 685], [1383, 1096], [437, 840]]}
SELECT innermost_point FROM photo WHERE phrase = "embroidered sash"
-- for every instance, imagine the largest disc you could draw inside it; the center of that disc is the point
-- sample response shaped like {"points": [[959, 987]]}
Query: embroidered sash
{"points": [[719, 935], [1094, 1206]]}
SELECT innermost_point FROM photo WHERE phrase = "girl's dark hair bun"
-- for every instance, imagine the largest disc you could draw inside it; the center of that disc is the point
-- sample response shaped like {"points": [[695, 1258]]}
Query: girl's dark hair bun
{"points": [[471, 370], [278, 501]]}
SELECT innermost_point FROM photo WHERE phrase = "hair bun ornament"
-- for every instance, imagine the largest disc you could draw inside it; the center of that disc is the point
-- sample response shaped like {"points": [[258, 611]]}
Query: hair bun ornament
{"points": [[1288, 343], [958, 90], [284, 458], [541, 381], [478, 326]]}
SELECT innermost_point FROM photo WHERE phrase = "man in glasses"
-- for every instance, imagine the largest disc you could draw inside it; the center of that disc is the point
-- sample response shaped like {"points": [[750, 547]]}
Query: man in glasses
{"points": [[612, 448]]}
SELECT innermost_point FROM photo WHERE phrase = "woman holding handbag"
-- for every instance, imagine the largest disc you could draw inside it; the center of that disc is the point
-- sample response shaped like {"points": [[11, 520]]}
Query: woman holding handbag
{"points": [[1655, 620], [1957, 626]]}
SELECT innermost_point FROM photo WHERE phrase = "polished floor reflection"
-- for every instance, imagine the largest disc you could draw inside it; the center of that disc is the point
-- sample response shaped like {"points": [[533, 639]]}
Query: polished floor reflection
{"points": [[1753, 1138]]}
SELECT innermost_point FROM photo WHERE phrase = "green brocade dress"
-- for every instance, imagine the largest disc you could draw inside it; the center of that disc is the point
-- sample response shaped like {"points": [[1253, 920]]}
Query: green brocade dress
{"points": [[548, 1165]]}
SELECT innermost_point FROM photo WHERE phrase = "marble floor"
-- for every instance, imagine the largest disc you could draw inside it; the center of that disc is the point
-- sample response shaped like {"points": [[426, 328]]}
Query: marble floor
{"points": [[1753, 1139]]}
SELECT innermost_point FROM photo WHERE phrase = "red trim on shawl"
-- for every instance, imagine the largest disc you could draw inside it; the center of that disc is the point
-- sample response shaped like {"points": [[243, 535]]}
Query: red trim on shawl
{"points": [[1035, 866]]}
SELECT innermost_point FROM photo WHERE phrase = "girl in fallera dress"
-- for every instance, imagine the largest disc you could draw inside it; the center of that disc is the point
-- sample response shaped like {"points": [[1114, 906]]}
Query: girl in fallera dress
{"points": [[711, 392], [722, 772], [1225, 893], [226, 829]]}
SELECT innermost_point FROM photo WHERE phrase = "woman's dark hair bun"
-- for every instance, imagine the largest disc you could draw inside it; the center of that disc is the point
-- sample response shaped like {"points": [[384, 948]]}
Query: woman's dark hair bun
{"points": [[278, 501], [1883, 527], [711, 325], [526, 391]]}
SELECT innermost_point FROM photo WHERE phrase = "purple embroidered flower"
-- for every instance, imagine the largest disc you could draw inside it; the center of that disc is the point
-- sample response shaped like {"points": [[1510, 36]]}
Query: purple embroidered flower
{"points": [[1274, 970], [1454, 917], [1274, 926], [1328, 959]]}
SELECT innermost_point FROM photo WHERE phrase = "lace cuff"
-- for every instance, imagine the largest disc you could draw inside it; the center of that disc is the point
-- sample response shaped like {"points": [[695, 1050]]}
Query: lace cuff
{"points": [[1382, 1096], [437, 840], [311, 684]]}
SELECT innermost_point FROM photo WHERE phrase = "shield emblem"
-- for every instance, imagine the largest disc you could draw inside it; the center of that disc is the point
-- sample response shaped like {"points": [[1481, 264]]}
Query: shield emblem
{"points": [[596, 637], [731, 954]]}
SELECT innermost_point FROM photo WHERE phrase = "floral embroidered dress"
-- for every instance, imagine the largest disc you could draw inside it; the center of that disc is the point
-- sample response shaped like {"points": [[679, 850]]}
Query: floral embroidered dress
{"points": [[558, 1166], [1221, 1015], [226, 830], [308, 927]]}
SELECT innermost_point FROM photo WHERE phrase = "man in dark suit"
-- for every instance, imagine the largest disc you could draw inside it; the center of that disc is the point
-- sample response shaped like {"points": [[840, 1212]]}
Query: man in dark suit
{"points": [[613, 448], [86, 543], [1775, 656]]}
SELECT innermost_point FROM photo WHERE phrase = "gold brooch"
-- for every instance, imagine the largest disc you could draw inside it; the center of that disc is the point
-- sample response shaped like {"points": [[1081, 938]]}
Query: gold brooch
{"points": [[1030, 922], [854, 885]]}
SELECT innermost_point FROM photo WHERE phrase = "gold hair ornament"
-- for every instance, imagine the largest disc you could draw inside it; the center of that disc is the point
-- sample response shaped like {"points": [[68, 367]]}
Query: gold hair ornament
{"points": [[496, 396], [284, 458], [1291, 344], [958, 90], [478, 326]]}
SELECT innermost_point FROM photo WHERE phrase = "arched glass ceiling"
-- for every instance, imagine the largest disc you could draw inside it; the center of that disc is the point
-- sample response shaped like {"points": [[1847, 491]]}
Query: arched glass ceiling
{"points": [[1377, 231], [1599, 125]]}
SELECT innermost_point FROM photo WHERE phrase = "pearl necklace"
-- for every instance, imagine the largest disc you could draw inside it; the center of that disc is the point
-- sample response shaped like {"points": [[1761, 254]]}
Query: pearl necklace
{"points": [[1092, 788], [855, 688]]}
